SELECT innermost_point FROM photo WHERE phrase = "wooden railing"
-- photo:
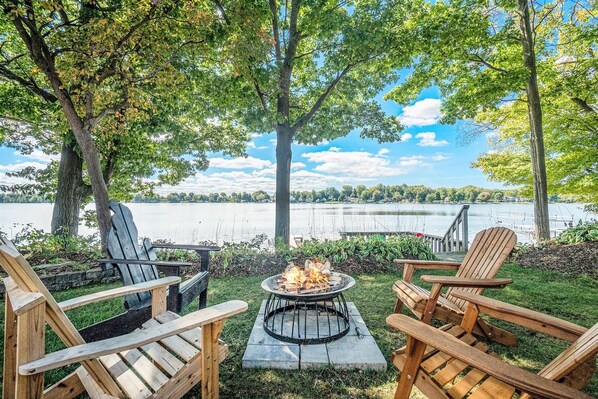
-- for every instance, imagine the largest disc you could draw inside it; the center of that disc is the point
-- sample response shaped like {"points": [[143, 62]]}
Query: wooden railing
{"points": [[455, 239]]}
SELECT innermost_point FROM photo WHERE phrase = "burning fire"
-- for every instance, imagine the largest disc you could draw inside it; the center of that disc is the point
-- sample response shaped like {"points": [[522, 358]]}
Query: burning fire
{"points": [[315, 275]]}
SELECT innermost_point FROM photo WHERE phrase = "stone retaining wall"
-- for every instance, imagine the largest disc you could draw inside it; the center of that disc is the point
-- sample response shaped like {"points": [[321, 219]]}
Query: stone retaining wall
{"points": [[73, 279]]}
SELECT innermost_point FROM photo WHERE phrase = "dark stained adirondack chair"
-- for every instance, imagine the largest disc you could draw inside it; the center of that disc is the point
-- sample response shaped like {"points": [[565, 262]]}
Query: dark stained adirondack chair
{"points": [[137, 264]]}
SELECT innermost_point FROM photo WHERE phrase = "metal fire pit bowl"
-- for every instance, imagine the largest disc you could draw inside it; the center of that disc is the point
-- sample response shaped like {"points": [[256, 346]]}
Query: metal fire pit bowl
{"points": [[312, 318]]}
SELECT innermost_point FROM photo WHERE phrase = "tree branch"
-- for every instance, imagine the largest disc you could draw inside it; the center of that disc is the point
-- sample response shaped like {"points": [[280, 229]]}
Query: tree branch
{"points": [[28, 84], [583, 104], [275, 32], [480, 60], [309, 115]]}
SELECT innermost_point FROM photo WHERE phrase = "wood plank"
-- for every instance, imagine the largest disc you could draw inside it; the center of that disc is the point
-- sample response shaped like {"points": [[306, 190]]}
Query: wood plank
{"points": [[176, 344], [528, 318], [169, 363], [192, 336], [125, 377], [31, 333], [158, 301], [9, 376], [22, 301], [466, 384], [145, 368], [67, 388], [455, 367], [91, 386], [210, 370], [135, 339], [492, 388], [182, 382], [117, 292]]}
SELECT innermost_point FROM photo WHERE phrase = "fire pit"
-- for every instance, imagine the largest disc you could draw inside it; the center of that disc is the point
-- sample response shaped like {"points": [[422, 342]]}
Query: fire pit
{"points": [[307, 306]]}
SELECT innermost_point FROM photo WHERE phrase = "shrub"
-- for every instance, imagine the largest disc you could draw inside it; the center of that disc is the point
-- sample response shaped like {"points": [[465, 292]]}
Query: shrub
{"points": [[582, 232], [375, 248], [41, 247]]}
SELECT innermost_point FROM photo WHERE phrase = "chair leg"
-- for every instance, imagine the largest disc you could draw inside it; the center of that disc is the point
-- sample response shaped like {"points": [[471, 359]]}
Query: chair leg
{"points": [[414, 355], [398, 306]]}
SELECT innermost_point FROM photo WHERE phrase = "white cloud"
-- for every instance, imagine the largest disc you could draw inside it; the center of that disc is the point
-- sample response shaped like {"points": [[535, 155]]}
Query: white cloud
{"points": [[406, 136], [297, 165], [423, 113], [383, 151], [441, 156], [273, 141], [22, 165], [355, 164], [428, 139], [334, 149], [40, 156], [413, 161], [240, 163], [251, 144], [323, 142]]}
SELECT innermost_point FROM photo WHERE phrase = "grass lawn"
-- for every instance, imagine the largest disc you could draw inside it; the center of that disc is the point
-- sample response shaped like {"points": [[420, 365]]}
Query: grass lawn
{"points": [[570, 298]]}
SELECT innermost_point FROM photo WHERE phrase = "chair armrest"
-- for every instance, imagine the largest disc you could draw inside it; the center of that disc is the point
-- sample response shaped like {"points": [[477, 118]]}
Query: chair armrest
{"points": [[135, 339], [187, 246], [451, 281], [430, 264], [21, 301], [146, 262], [524, 317], [514, 376], [118, 292]]}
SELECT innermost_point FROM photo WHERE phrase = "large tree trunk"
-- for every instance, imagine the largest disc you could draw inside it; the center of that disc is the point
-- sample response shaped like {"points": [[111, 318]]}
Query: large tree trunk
{"points": [[541, 221], [70, 193], [283, 184]]}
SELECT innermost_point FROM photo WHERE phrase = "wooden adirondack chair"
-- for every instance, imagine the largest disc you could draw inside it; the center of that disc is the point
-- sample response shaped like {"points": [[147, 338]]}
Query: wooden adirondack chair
{"points": [[450, 363], [488, 251], [176, 352], [137, 264]]}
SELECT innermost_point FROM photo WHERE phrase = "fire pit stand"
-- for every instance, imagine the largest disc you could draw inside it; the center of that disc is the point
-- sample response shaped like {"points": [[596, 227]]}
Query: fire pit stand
{"points": [[307, 318]]}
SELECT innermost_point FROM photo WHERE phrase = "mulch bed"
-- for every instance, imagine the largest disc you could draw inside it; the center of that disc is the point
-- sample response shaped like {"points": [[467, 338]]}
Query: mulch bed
{"points": [[574, 259]]}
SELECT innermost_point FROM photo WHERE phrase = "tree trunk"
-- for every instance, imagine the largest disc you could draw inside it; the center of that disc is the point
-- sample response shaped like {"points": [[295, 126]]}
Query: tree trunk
{"points": [[283, 184], [70, 193], [541, 221]]}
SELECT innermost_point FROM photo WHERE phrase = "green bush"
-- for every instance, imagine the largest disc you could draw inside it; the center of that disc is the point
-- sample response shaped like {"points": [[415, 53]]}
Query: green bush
{"points": [[582, 232], [376, 248], [41, 247]]}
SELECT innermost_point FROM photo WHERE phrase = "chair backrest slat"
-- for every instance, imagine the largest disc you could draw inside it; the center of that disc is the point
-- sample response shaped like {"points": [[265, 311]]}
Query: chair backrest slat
{"points": [[123, 243], [23, 275], [585, 348], [488, 251]]}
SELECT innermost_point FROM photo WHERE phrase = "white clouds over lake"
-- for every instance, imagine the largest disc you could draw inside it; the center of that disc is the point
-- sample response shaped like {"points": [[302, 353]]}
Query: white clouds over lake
{"points": [[423, 113]]}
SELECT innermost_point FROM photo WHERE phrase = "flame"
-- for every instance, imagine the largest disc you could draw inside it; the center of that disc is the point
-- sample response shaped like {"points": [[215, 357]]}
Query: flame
{"points": [[315, 274]]}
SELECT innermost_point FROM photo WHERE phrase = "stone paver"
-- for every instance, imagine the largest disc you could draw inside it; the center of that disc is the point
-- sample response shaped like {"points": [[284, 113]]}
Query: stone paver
{"points": [[353, 351]]}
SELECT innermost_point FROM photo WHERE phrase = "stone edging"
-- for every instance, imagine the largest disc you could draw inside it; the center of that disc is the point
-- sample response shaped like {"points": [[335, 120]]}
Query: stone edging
{"points": [[65, 280]]}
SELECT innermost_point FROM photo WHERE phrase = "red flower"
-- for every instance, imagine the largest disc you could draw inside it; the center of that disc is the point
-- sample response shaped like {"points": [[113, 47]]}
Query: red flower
{"points": [[419, 235]]}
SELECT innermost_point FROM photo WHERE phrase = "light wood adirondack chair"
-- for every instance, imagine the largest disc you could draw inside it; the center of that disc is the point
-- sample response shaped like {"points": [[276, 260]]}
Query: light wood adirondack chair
{"points": [[450, 363], [488, 251], [164, 359]]}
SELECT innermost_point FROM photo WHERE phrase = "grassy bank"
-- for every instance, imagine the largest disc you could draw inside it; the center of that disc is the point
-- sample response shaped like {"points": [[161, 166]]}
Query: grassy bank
{"points": [[570, 298]]}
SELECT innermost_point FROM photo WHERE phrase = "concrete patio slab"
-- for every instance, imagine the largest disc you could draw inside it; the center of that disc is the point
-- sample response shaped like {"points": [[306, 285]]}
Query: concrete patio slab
{"points": [[356, 350]]}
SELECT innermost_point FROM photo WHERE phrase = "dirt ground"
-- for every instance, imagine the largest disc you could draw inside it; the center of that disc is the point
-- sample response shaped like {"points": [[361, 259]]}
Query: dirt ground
{"points": [[575, 259]]}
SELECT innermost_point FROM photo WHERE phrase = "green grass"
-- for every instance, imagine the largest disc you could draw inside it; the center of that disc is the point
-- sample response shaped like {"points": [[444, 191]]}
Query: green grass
{"points": [[570, 298]]}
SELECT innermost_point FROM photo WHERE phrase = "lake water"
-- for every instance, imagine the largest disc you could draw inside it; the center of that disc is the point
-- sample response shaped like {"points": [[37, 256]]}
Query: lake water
{"points": [[189, 223]]}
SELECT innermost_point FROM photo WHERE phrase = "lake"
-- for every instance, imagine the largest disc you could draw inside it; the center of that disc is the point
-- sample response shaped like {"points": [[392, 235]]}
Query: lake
{"points": [[219, 222]]}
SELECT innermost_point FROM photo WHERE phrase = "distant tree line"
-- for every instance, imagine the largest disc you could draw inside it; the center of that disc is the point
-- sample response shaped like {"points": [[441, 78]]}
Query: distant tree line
{"points": [[347, 193]]}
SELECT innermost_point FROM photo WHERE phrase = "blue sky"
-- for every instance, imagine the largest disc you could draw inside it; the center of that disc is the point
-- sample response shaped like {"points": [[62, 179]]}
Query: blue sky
{"points": [[429, 154]]}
